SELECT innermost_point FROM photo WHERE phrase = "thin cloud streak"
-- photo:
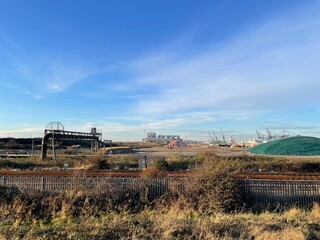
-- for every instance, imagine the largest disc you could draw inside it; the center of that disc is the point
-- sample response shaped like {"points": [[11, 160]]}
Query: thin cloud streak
{"points": [[43, 73], [56, 75], [289, 127], [264, 67]]}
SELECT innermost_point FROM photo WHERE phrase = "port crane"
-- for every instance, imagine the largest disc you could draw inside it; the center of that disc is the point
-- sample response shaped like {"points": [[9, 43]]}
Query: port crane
{"points": [[213, 136], [224, 139]]}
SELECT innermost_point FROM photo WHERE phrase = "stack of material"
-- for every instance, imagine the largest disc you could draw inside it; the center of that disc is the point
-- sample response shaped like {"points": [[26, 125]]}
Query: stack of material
{"points": [[299, 146], [177, 144]]}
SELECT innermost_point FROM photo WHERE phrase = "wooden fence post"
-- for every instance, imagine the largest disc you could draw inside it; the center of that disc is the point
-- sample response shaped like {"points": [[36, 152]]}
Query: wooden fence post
{"points": [[43, 183], [3, 180]]}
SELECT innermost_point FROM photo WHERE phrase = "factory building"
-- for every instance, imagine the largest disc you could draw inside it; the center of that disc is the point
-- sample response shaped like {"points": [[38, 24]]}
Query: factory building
{"points": [[152, 137]]}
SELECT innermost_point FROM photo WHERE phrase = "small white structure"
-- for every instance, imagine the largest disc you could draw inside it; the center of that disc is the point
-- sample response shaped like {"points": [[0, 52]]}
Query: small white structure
{"points": [[152, 137]]}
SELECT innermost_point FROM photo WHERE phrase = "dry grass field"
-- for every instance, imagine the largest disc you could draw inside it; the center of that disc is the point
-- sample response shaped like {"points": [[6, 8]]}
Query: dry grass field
{"points": [[156, 223], [209, 207]]}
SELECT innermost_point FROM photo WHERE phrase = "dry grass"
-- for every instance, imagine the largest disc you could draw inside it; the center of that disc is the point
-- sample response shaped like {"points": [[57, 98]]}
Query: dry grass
{"points": [[153, 172], [79, 216], [208, 207], [211, 188], [171, 223]]}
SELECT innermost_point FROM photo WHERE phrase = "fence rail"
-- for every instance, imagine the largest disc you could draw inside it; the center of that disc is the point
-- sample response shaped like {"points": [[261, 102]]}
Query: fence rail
{"points": [[94, 185], [284, 192], [255, 191]]}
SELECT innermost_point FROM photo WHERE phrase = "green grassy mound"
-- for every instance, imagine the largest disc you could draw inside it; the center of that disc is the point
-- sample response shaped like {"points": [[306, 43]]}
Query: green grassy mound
{"points": [[301, 146]]}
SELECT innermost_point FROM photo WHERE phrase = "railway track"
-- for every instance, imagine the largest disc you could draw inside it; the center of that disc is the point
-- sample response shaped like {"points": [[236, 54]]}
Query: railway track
{"points": [[278, 176], [138, 174], [106, 173]]}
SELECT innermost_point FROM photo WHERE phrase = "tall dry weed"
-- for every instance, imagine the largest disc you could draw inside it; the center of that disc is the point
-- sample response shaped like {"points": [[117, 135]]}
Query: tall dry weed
{"points": [[152, 172], [211, 187], [99, 161]]}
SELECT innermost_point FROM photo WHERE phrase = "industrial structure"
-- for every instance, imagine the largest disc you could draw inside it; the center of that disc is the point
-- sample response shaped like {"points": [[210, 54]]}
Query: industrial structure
{"points": [[273, 136], [222, 143], [55, 132], [152, 137]]}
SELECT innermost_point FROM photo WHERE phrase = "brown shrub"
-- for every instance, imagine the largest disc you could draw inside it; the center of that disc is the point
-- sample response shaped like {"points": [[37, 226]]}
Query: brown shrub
{"points": [[211, 187], [206, 155], [153, 172], [160, 163], [99, 161]]}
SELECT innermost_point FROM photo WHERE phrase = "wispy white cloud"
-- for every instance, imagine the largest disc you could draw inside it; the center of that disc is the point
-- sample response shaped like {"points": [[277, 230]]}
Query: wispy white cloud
{"points": [[123, 126], [269, 66], [265, 68], [16, 88], [52, 76], [289, 127], [29, 131], [39, 74]]}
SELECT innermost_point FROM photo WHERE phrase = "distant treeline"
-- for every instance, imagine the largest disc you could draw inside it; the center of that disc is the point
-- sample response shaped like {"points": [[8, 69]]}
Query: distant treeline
{"points": [[18, 143], [26, 143]]}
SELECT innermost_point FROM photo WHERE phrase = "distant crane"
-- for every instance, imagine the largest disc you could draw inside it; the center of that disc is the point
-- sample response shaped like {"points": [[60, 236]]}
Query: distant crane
{"points": [[212, 139], [260, 136], [282, 134], [232, 139], [224, 139], [270, 136], [214, 135], [273, 136]]}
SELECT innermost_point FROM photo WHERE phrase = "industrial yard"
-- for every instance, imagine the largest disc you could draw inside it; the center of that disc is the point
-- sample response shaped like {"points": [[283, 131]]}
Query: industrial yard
{"points": [[169, 120], [69, 179]]}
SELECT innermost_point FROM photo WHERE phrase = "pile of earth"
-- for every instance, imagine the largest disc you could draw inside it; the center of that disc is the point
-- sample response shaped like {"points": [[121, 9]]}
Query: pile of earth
{"points": [[177, 144], [297, 146]]}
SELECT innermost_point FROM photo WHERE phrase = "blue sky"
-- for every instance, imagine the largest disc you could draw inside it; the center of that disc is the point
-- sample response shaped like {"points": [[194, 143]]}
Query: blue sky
{"points": [[173, 67]]}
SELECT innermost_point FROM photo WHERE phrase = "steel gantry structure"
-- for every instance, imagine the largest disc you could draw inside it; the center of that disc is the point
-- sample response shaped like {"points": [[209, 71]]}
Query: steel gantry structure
{"points": [[55, 132]]}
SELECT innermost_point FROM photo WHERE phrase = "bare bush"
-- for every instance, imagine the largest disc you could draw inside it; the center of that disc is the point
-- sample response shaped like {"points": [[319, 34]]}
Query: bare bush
{"points": [[153, 172], [160, 163], [99, 161], [211, 187]]}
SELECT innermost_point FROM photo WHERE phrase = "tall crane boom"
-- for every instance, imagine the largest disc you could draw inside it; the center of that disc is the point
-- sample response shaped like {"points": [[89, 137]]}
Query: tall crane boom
{"points": [[212, 139], [214, 135], [269, 134], [224, 140]]}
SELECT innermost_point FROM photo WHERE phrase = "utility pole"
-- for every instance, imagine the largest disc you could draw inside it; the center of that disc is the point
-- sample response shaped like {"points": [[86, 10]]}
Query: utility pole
{"points": [[32, 147], [53, 148]]}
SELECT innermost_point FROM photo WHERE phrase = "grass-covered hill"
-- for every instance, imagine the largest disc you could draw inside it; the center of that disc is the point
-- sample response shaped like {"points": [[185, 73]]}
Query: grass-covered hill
{"points": [[300, 146]]}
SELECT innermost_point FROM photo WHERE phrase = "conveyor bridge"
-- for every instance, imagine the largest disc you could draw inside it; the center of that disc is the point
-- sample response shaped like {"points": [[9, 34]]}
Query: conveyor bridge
{"points": [[55, 131]]}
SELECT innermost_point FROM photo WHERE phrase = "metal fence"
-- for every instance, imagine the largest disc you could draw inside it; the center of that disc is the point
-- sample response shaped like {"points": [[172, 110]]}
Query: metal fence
{"points": [[255, 191], [283, 192], [94, 185]]}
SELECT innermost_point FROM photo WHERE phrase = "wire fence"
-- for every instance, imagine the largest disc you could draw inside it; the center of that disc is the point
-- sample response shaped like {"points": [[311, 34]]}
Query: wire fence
{"points": [[255, 191], [283, 192], [96, 185]]}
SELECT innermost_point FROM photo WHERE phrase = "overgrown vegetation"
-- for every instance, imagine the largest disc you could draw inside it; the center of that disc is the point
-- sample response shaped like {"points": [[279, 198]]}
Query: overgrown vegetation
{"points": [[173, 162], [208, 206], [9, 164], [211, 188], [153, 172], [134, 216], [125, 162], [99, 161], [160, 163]]}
